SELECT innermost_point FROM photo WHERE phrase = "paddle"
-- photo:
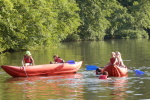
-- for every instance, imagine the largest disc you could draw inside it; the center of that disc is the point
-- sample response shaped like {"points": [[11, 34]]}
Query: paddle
{"points": [[94, 67], [91, 67], [137, 71], [71, 62]]}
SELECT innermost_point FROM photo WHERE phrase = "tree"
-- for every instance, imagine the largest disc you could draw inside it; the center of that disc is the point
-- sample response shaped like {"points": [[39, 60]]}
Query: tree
{"points": [[29, 23], [93, 19]]}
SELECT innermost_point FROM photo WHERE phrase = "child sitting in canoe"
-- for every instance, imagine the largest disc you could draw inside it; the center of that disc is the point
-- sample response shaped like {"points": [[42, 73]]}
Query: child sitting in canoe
{"points": [[27, 59], [113, 60], [104, 75], [119, 59], [57, 59]]}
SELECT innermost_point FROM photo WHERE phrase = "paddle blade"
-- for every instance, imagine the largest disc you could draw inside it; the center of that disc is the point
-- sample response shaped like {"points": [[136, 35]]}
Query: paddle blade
{"points": [[91, 67], [138, 72], [71, 62]]}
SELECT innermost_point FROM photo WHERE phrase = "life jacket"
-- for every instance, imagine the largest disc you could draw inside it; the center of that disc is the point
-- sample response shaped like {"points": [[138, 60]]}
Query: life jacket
{"points": [[58, 60], [27, 59], [103, 77]]}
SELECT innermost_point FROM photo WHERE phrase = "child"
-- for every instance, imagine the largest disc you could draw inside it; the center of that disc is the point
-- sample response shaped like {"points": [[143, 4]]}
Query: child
{"points": [[119, 58], [57, 59], [104, 75], [27, 59], [113, 60], [98, 71]]}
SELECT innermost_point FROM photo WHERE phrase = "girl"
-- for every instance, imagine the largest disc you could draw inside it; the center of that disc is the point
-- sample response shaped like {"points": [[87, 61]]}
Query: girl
{"points": [[120, 61], [104, 76], [27, 59]]}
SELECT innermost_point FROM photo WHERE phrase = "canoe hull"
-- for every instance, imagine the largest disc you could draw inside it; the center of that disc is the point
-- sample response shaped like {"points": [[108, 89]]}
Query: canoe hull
{"points": [[38, 70], [115, 71]]}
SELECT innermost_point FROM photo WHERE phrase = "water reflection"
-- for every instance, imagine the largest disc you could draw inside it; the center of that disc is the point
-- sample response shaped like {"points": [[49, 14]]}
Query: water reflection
{"points": [[120, 86], [52, 87], [98, 89], [87, 86]]}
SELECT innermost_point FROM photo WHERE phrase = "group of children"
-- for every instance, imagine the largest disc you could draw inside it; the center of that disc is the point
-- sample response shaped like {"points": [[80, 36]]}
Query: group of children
{"points": [[28, 59], [103, 75], [115, 60]]}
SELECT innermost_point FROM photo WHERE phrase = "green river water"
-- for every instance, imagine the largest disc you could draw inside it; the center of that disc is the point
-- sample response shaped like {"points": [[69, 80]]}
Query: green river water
{"points": [[84, 85]]}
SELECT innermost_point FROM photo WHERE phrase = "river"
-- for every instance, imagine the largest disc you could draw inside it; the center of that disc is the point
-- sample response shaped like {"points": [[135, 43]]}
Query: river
{"points": [[84, 85]]}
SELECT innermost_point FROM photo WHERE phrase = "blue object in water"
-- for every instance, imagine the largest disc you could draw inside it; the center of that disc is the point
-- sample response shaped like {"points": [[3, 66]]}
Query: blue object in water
{"points": [[91, 67], [138, 72], [71, 62]]}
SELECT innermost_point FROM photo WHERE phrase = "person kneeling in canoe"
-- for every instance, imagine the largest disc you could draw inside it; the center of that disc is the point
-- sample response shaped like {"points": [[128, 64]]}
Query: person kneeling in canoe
{"points": [[27, 59], [58, 59]]}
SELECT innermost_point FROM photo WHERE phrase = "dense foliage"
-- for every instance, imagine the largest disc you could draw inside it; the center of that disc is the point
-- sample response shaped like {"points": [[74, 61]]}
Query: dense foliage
{"points": [[28, 23], [114, 19]]}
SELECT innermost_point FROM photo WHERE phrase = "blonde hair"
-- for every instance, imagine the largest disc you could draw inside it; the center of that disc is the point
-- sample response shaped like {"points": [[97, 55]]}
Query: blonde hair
{"points": [[113, 54]]}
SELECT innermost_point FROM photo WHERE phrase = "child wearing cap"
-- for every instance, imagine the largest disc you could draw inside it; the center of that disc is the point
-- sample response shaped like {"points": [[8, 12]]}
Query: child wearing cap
{"points": [[27, 59]]}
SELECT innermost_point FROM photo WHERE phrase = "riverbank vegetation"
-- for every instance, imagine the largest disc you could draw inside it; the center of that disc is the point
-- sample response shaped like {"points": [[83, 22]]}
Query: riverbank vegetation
{"points": [[30, 23]]}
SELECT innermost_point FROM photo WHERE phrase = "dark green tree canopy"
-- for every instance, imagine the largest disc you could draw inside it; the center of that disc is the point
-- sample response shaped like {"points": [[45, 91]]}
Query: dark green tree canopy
{"points": [[26, 24]]}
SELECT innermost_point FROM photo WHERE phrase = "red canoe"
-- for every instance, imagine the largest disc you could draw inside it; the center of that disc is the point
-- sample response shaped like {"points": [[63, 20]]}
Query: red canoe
{"points": [[46, 69], [115, 71]]}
